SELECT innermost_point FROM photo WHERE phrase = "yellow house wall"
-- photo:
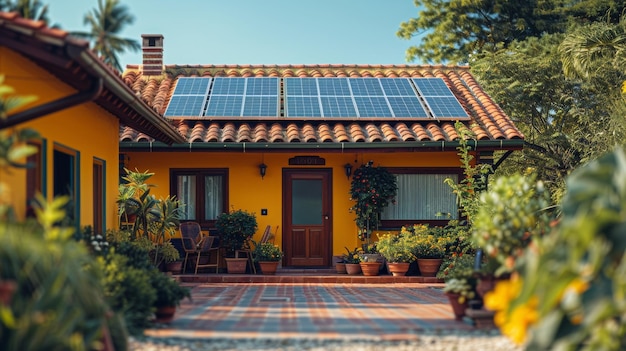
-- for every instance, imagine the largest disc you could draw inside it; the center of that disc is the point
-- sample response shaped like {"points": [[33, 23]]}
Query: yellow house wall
{"points": [[86, 128], [249, 192]]}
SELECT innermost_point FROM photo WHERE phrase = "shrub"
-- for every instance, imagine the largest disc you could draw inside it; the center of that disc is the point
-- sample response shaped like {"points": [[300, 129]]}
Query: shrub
{"points": [[397, 248], [267, 252], [168, 291], [235, 228]]}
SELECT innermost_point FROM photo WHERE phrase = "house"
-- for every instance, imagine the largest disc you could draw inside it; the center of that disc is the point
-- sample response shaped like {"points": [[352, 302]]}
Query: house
{"points": [[80, 105], [281, 141]]}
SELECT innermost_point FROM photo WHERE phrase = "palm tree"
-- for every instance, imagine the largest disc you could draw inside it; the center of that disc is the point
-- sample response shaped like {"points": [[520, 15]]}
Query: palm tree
{"points": [[592, 48], [31, 9], [106, 22]]}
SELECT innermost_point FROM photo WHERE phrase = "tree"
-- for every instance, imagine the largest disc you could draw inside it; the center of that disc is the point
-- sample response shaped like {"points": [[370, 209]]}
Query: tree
{"points": [[457, 29], [106, 22], [31, 9], [566, 122]]}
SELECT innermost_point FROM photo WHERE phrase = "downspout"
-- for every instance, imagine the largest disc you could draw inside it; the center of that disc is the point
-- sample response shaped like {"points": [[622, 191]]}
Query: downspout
{"points": [[54, 106]]}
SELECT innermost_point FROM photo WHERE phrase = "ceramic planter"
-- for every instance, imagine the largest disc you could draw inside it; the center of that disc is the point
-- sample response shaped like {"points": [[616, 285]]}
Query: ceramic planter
{"points": [[353, 268], [164, 314], [457, 307], [341, 268]]}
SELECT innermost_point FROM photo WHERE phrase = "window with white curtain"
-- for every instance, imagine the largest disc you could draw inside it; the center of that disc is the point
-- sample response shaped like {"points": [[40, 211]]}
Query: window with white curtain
{"points": [[202, 192], [422, 197]]}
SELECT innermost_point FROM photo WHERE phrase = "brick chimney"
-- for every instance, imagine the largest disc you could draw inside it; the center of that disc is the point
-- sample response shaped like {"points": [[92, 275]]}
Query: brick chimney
{"points": [[152, 49]]}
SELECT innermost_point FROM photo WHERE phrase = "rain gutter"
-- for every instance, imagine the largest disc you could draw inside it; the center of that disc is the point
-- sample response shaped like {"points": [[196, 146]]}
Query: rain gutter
{"points": [[259, 147]]}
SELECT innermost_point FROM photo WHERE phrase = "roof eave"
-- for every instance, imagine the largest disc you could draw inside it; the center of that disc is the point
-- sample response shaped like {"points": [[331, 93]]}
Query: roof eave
{"points": [[411, 146]]}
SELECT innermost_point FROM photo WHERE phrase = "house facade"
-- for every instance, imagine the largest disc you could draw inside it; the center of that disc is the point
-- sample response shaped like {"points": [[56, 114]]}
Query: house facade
{"points": [[80, 104], [282, 141]]}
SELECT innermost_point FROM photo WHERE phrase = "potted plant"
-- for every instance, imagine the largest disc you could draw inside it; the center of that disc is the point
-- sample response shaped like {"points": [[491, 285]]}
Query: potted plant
{"points": [[268, 256], [431, 246], [352, 258], [372, 189], [459, 292], [236, 229], [169, 294], [397, 249]]}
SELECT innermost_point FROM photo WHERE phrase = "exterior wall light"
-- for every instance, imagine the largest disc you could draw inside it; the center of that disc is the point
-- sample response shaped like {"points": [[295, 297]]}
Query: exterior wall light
{"points": [[262, 169], [348, 168]]}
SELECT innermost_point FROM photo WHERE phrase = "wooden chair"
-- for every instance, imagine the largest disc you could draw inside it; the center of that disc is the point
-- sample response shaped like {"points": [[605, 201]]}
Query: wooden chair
{"points": [[205, 246], [247, 250], [196, 243]]}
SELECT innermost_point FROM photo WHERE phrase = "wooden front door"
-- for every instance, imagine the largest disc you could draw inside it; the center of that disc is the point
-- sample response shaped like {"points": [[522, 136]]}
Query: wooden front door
{"points": [[307, 219]]}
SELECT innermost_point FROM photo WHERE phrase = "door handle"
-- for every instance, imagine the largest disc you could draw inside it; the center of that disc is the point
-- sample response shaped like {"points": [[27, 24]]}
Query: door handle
{"points": [[326, 217]]}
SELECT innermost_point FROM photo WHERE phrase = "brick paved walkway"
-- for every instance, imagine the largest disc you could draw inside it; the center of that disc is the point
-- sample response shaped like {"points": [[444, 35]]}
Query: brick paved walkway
{"points": [[312, 310]]}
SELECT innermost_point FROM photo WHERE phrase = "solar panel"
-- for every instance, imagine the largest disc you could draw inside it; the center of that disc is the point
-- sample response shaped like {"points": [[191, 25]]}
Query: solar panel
{"points": [[432, 87], [397, 87], [445, 106], [372, 106], [224, 105], [439, 98], [185, 105], [192, 86], [302, 106], [333, 87], [244, 97], [365, 87], [300, 86], [260, 106], [188, 97], [228, 86], [407, 106], [338, 106]]}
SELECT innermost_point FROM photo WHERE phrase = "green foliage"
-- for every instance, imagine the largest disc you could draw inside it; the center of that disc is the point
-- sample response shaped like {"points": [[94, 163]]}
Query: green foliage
{"points": [[267, 252], [372, 189], [464, 287], [128, 288], [236, 228], [429, 242], [456, 29], [511, 214], [576, 122], [31, 9], [458, 266], [168, 291], [574, 279], [58, 304], [352, 256], [468, 189], [397, 247]]}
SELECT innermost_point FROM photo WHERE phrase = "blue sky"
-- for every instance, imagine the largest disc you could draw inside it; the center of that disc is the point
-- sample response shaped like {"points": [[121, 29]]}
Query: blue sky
{"points": [[260, 31]]}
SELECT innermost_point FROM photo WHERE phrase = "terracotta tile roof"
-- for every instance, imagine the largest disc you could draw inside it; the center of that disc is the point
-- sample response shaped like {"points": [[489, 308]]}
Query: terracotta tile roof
{"points": [[71, 60], [487, 120]]}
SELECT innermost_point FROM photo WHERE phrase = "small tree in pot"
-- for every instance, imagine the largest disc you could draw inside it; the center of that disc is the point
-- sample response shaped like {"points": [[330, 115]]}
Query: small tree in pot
{"points": [[236, 228]]}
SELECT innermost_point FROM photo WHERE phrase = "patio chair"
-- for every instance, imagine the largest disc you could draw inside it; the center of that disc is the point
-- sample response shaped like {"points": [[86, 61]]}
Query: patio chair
{"points": [[191, 230], [190, 247], [205, 247], [247, 249]]}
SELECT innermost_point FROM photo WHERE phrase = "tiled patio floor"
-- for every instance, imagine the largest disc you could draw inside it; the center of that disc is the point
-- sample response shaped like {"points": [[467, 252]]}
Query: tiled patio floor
{"points": [[398, 311]]}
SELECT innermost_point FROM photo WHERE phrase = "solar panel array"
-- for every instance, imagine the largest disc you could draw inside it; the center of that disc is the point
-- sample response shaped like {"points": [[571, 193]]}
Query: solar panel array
{"points": [[315, 97]]}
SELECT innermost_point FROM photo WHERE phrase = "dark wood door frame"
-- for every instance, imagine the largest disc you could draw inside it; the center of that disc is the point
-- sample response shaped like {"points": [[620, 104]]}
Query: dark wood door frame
{"points": [[313, 243]]}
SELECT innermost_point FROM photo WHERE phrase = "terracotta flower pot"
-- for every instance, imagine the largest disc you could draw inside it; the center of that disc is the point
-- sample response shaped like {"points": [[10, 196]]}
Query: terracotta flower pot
{"points": [[398, 268], [429, 266], [457, 307], [165, 314], [341, 268], [370, 268], [353, 268], [268, 267], [236, 265]]}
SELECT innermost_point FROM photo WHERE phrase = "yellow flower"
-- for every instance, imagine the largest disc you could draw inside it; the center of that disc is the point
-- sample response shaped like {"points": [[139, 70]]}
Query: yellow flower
{"points": [[515, 323]]}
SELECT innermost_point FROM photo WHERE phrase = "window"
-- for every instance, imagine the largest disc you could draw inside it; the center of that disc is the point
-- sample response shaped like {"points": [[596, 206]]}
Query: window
{"points": [[203, 192], [98, 195], [422, 195], [66, 181], [35, 176]]}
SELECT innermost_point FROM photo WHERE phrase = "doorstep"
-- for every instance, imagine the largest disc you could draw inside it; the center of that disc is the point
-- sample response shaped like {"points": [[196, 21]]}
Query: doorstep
{"points": [[299, 276]]}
